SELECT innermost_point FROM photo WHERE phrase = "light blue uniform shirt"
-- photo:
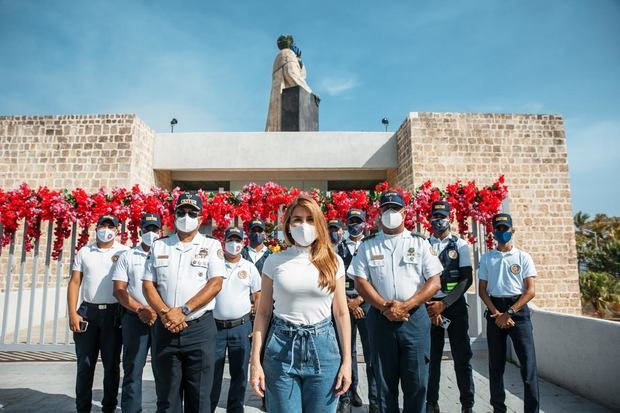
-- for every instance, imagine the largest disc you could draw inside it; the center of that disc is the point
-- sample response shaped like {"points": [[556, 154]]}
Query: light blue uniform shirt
{"points": [[396, 267], [505, 272]]}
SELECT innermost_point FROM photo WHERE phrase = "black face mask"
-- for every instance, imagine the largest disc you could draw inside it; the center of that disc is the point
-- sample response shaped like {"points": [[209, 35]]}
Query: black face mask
{"points": [[440, 225], [257, 238], [355, 229], [335, 237]]}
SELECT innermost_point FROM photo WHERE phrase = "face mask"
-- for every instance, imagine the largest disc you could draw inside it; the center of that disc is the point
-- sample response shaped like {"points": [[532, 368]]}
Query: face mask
{"points": [[149, 238], [303, 234], [186, 223], [391, 219], [355, 229], [233, 247], [257, 238], [440, 225], [503, 237], [335, 237], [106, 234]]}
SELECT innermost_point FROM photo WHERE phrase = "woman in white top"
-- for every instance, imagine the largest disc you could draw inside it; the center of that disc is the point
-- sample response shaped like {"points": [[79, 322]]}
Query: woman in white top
{"points": [[304, 370]]}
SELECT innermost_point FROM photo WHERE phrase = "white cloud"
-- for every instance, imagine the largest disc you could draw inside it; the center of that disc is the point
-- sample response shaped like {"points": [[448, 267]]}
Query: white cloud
{"points": [[334, 86]]}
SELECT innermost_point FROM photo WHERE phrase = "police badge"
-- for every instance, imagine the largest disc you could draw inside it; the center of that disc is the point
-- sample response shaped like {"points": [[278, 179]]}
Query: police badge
{"points": [[243, 274], [515, 268], [453, 254]]}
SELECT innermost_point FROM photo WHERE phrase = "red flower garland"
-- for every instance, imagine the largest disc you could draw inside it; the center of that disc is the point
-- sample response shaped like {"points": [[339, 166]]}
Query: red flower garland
{"points": [[64, 208]]}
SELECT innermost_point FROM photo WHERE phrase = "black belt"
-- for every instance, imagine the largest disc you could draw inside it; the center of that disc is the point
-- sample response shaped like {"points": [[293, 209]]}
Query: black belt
{"points": [[352, 295], [225, 324], [101, 306]]}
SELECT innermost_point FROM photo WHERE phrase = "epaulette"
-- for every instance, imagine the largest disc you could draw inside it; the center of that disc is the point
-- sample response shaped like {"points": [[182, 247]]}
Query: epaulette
{"points": [[417, 234], [368, 237], [211, 236], [164, 237]]}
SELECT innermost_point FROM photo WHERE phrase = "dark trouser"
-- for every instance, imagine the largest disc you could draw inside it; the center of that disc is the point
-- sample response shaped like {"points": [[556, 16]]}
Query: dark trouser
{"points": [[362, 326], [523, 342], [461, 354], [237, 342], [185, 366], [401, 353], [137, 339], [102, 335]]}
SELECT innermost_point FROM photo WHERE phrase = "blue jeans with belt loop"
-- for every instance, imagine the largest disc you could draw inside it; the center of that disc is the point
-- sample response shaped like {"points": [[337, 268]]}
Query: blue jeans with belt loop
{"points": [[301, 365]]}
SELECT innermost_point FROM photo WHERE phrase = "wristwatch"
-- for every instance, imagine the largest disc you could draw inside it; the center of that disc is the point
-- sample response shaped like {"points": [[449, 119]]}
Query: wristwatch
{"points": [[510, 311], [186, 310]]}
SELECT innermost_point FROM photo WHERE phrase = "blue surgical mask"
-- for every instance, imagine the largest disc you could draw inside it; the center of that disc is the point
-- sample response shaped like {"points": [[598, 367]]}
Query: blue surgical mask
{"points": [[335, 237], [503, 237], [355, 229], [257, 238]]}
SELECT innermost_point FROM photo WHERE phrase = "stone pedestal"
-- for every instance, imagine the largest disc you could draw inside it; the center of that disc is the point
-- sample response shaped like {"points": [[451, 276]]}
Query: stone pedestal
{"points": [[300, 110]]}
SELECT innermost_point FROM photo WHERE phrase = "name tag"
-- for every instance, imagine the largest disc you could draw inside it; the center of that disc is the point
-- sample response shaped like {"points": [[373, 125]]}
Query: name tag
{"points": [[377, 257], [162, 257]]}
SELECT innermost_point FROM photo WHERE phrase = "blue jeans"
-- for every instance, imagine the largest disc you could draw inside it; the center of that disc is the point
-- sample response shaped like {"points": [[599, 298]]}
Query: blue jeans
{"points": [[402, 354], [523, 342], [137, 339], [103, 335], [301, 365], [363, 326], [237, 341]]}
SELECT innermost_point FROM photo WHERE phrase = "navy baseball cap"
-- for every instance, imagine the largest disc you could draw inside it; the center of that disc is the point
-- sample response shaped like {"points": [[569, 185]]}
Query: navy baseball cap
{"points": [[440, 207], [256, 222], [391, 198], [502, 219], [107, 218], [233, 231], [356, 213], [192, 200], [334, 222], [150, 219]]}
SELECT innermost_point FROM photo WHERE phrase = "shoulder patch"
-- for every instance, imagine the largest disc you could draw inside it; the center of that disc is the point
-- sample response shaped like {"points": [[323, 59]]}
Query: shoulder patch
{"points": [[417, 234], [164, 237], [210, 236], [368, 237]]}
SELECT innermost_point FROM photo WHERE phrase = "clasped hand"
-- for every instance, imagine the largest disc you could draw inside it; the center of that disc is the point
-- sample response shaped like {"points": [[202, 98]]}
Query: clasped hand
{"points": [[173, 319], [396, 311]]}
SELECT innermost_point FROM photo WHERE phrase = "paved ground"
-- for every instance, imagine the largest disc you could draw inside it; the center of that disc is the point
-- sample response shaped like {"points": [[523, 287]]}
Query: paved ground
{"points": [[46, 386]]}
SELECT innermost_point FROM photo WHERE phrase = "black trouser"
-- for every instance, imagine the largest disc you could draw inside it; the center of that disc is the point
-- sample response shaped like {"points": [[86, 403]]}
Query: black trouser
{"points": [[461, 354], [102, 335], [523, 342], [185, 364]]}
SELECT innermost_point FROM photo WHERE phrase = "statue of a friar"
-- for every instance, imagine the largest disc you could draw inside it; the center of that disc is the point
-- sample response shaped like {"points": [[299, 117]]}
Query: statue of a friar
{"points": [[288, 71]]}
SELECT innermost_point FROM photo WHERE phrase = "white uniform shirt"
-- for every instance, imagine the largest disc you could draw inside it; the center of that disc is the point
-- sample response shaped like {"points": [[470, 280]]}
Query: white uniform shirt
{"points": [[353, 245], [462, 248], [397, 267], [130, 269], [181, 269], [96, 265], [256, 255], [233, 301], [297, 296], [506, 271]]}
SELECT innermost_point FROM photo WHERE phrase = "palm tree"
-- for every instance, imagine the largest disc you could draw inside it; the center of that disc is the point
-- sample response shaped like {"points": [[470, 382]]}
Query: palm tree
{"points": [[580, 219]]}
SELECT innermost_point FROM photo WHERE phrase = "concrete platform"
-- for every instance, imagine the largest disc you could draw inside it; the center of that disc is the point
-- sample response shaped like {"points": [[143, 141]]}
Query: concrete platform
{"points": [[41, 386]]}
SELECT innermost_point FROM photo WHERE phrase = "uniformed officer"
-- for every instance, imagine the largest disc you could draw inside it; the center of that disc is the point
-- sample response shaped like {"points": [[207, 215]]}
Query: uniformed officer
{"points": [[256, 252], [336, 234], [507, 277], [232, 318], [358, 310], [397, 273], [183, 274], [448, 310], [138, 317], [96, 323]]}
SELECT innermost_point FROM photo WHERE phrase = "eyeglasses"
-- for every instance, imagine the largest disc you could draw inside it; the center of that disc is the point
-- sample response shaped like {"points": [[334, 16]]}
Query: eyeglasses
{"points": [[181, 214]]}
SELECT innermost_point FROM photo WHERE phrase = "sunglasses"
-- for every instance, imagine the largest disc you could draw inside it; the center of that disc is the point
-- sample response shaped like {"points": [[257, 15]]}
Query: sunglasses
{"points": [[181, 214]]}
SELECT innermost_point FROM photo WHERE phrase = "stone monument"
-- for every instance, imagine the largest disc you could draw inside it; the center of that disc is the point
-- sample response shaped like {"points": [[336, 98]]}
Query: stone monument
{"points": [[292, 105]]}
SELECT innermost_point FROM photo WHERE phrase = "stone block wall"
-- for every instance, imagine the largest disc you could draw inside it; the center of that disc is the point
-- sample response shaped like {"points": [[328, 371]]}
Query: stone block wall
{"points": [[530, 150]]}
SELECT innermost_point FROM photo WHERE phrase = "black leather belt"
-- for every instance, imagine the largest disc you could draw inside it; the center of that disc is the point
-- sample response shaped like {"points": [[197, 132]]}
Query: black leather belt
{"points": [[352, 295], [225, 324]]}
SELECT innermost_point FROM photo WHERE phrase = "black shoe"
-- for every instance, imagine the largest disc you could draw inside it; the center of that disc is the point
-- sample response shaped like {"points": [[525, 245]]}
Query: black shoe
{"points": [[356, 400], [467, 410], [344, 406], [373, 408], [432, 407]]}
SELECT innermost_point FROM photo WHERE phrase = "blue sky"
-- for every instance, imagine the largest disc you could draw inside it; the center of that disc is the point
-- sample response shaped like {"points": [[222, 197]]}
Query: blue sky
{"points": [[208, 64]]}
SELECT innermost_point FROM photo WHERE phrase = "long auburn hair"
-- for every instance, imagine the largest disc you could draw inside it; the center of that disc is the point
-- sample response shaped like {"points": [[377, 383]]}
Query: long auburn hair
{"points": [[322, 253]]}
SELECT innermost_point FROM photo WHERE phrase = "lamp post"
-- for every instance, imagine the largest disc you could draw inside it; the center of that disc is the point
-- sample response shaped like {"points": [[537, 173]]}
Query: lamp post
{"points": [[590, 232], [173, 122], [385, 122]]}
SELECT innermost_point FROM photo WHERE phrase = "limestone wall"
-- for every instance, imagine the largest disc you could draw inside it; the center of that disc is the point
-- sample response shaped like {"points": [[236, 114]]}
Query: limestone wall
{"points": [[530, 150]]}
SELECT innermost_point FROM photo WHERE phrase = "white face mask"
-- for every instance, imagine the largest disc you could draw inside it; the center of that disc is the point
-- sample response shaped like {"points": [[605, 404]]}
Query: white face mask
{"points": [[186, 223], [303, 234], [233, 247], [391, 219], [106, 234], [149, 238]]}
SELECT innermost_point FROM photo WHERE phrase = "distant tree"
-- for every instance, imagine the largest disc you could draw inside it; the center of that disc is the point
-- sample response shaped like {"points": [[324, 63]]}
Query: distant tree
{"points": [[580, 219]]}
